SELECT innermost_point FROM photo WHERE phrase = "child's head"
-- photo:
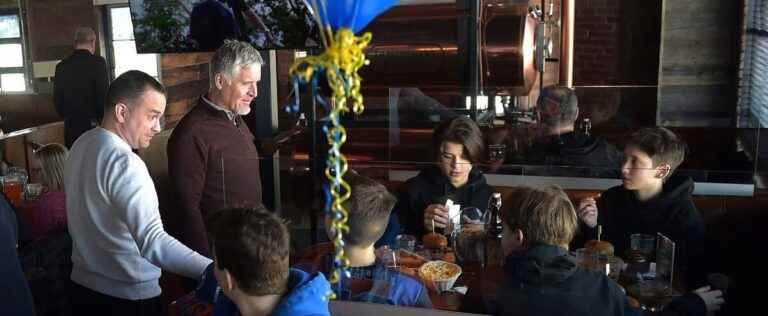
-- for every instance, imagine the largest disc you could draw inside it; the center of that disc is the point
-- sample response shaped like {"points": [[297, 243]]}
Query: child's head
{"points": [[651, 155], [250, 248], [369, 207], [51, 158], [538, 216], [457, 144]]}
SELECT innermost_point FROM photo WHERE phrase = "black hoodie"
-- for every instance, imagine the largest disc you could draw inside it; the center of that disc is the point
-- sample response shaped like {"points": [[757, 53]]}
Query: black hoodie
{"points": [[574, 154], [430, 186], [671, 213], [545, 280]]}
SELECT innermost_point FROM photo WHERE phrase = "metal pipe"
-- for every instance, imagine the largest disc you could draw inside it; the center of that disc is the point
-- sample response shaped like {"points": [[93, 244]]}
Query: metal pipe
{"points": [[566, 46]]}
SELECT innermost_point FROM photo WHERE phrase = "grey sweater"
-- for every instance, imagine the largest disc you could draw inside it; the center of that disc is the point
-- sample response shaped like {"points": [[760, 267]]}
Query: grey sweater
{"points": [[119, 244]]}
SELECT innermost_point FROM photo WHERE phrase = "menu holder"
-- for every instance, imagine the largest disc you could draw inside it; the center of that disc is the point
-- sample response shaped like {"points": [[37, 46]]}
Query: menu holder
{"points": [[665, 259]]}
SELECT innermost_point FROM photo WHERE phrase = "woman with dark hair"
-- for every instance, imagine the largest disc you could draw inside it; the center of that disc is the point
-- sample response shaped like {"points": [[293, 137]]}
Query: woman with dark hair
{"points": [[457, 146]]}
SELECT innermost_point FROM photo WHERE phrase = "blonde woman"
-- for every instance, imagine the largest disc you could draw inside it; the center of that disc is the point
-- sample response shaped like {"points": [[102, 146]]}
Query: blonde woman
{"points": [[49, 211]]}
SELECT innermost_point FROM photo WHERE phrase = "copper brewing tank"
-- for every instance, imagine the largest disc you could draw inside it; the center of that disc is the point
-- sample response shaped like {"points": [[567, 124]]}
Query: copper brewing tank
{"points": [[425, 46]]}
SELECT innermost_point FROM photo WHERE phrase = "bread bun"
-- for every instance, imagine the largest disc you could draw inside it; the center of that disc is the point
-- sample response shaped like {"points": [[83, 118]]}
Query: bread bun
{"points": [[434, 241], [449, 256], [598, 247]]}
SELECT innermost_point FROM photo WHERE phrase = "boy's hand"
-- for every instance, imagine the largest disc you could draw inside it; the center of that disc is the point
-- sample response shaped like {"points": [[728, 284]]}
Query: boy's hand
{"points": [[588, 211], [438, 213], [713, 299]]}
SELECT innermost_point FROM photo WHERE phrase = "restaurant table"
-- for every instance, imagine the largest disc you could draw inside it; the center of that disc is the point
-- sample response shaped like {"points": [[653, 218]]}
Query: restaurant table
{"points": [[483, 283]]}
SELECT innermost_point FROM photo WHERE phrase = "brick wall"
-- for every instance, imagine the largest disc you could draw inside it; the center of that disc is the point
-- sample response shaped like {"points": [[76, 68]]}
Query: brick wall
{"points": [[49, 36], [596, 41]]}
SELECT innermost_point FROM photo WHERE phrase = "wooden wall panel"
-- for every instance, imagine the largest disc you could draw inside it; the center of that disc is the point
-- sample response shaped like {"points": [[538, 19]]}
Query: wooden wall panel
{"points": [[697, 72], [185, 76]]}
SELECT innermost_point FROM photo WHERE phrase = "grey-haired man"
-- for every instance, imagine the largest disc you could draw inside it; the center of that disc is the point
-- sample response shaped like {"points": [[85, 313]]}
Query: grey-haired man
{"points": [[212, 158]]}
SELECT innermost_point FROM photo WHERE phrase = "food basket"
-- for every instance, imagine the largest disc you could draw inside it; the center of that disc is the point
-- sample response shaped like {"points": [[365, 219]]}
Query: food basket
{"points": [[439, 276]]}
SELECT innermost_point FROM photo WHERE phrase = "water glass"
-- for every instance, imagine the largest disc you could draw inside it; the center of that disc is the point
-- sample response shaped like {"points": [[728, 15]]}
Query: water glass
{"points": [[644, 243], [406, 242], [387, 256]]}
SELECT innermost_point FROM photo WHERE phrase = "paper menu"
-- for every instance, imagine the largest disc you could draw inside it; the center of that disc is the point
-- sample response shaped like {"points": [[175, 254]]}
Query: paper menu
{"points": [[454, 214]]}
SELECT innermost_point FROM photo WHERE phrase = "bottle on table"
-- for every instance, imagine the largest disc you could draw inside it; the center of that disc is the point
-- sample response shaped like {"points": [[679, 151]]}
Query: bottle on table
{"points": [[493, 253]]}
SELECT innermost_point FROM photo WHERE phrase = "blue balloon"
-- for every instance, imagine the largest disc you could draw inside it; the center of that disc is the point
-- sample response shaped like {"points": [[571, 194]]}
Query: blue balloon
{"points": [[352, 14]]}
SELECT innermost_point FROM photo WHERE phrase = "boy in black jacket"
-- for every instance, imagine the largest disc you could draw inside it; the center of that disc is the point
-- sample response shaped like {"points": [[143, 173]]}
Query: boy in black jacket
{"points": [[650, 200], [543, 278]]}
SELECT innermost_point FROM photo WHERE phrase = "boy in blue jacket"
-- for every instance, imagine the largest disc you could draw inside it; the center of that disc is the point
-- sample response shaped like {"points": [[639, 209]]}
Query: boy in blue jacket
{"points": [[368, 207], [250, 248]]}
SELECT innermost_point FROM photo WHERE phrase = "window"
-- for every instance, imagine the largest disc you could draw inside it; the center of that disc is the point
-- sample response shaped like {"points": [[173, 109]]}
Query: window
{"points": [[753, 81], [123, 45], [12, 64]]}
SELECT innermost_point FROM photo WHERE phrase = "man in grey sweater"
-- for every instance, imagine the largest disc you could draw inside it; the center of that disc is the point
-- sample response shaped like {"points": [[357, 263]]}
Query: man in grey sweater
{"points": [[119, 244]]}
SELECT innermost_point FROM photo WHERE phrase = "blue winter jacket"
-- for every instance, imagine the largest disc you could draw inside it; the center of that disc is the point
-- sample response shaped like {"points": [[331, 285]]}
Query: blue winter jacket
{"points": [[305, 295]]}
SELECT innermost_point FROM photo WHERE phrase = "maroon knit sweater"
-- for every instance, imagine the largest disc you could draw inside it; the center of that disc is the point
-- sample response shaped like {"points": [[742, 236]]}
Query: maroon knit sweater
{"points": [[212, 164]]}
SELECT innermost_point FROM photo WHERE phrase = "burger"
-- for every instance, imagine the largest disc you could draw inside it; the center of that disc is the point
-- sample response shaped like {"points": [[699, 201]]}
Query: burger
{"points": [[434, 241], [599, 248]]}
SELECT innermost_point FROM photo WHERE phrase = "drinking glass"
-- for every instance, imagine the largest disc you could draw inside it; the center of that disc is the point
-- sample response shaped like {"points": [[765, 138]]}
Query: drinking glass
{"points": [[12, 187], [652, 294], [387, 256], [644, 243], [407, 242]]}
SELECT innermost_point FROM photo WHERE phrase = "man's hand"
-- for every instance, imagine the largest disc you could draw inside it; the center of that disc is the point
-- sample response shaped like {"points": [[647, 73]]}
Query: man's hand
{"points": [[588, 211], [713, 299], [436, 213]]}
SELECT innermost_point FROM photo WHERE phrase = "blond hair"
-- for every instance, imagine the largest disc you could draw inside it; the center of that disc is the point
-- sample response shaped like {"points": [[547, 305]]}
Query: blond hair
{"points": [[544, 215], [369, 207], [52, 158]]}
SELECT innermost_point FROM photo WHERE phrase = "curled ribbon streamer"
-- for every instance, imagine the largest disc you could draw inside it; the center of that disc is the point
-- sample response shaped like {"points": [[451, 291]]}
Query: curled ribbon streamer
{"points": [[340, 62]]}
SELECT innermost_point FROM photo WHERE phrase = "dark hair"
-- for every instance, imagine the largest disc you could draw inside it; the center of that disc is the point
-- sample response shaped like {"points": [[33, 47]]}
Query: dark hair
{"points": [[253, 245], [558, 106], [129, 87], [661, 144], [461, 130], [544, 215], [369, 207]]}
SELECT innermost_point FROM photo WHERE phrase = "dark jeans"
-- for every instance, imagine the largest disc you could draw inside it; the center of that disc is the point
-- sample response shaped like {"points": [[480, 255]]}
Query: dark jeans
{"points": [[89, 302]]}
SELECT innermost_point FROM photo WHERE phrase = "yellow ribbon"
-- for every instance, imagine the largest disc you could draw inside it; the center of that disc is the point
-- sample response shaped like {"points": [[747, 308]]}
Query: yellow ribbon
{"points": [[341, 60]]}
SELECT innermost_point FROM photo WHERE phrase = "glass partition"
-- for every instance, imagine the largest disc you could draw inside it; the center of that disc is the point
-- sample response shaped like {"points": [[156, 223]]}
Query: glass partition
{"points": [[397, 127], [290, 185]]}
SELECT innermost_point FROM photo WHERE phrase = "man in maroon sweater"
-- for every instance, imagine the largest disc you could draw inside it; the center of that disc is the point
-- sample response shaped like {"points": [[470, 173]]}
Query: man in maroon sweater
{"points": [[212, 158]]}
